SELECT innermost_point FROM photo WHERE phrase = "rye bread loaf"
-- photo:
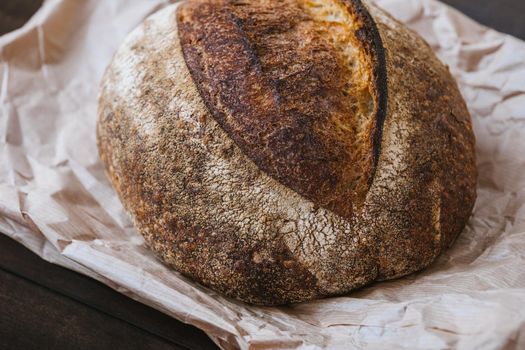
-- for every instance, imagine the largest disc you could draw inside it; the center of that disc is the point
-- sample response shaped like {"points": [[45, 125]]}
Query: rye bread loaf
{"points": [[281, 151]]}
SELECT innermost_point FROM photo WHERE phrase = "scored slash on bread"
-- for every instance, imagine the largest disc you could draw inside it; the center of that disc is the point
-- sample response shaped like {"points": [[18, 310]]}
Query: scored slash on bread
{"points": [[297, 85], [281, 151]]}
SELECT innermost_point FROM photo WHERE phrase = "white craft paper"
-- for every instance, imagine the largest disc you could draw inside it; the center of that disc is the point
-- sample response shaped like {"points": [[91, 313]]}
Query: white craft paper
{"points": [[56, 200]]}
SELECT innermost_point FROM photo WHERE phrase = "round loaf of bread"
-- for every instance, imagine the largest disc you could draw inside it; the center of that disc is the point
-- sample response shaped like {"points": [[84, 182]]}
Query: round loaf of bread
{"points": [[281, 151]]}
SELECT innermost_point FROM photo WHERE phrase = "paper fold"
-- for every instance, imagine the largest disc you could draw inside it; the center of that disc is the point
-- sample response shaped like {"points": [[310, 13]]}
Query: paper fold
{"points": [[56, 200]]}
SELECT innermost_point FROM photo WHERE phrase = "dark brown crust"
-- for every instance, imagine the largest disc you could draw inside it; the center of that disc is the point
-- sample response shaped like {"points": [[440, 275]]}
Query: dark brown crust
{"points": [[214, 215], [282, 123]]}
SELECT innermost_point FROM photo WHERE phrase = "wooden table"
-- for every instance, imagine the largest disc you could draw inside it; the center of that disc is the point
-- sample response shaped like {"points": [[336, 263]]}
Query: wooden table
{"points": [[43, 306]]}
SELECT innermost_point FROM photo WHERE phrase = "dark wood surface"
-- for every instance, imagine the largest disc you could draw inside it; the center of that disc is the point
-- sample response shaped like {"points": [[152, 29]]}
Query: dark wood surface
{"points": [[14, 13], [46, 306], [507, 16], [43, 306]]}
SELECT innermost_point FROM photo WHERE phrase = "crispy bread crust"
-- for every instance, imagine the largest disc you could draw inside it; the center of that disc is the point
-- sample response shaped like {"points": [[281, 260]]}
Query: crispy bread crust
{"points": [[270, 76], [215, 206]]}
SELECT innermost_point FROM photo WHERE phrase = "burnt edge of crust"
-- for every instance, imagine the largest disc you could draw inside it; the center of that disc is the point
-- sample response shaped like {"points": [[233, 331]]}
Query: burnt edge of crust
{"points": [[374, 43], [368, 38]]}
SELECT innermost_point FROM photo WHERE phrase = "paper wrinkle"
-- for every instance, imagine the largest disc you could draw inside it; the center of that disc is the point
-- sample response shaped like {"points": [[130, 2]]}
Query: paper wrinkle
{"points": [[56, 200]]}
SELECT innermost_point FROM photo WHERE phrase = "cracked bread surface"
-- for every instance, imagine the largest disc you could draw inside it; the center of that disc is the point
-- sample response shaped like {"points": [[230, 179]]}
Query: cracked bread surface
{"points": [[217, 214]]}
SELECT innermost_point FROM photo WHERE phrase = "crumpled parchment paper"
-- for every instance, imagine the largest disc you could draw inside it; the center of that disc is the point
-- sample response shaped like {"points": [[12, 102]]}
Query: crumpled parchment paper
{"points": [[56, 200]]}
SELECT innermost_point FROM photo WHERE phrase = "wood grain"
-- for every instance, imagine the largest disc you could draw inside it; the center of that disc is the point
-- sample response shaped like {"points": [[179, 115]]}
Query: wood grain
{"points": [[34, 317], [36, 296]]}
